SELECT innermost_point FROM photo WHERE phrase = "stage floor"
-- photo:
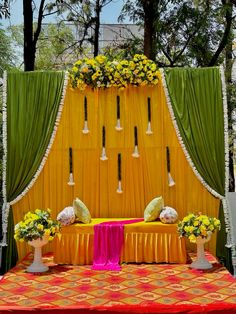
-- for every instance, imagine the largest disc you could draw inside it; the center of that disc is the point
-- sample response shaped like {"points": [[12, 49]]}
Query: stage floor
{"points": [[144, 288]]}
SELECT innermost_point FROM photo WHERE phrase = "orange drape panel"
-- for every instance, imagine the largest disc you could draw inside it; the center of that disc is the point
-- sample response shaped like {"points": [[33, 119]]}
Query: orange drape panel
{"points": [[96, 181]]}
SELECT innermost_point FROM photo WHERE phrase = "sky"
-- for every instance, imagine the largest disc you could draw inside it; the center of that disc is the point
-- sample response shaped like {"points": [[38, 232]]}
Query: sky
{"points": [[109, 15]]}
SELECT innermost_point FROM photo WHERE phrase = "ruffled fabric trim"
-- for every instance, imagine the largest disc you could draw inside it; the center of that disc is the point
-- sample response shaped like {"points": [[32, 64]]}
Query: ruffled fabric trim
{"points": [[227, 213], [5, 206]]}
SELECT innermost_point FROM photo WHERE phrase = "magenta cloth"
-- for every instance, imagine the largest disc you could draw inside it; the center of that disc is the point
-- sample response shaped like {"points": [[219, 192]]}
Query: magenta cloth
{"points": [[108, 242]]}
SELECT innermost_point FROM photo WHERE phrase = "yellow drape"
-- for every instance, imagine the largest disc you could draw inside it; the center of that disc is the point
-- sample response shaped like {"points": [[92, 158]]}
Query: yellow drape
{"points": [[96, 181]]}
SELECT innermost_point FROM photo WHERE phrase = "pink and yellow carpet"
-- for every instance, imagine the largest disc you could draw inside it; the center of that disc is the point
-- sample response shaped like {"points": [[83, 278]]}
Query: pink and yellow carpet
{"points": [[144, 288]]}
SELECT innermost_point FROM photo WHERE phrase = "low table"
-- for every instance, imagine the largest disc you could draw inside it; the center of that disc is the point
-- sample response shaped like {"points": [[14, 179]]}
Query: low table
{"points": [[144, 242]]}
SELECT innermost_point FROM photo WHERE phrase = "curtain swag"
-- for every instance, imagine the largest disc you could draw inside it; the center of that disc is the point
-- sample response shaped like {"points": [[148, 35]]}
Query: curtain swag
{"points": [[211, 189], [6, 202]]}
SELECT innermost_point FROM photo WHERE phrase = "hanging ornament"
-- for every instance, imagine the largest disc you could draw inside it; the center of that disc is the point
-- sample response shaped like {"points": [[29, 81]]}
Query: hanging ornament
{"points": [[85, 129], [71, 179], [103, 157], [149, 129], [119, 189], [118, 126], [135, 153], [171, 181]]}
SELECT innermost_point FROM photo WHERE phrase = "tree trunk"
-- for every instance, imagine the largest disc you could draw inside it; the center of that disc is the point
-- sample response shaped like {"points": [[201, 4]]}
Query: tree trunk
{"points": [[29, 46], [149, 19], [97, 27]]}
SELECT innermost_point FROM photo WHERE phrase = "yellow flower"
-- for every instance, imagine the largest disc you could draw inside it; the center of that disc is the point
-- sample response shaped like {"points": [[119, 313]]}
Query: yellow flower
{"points": [[216, 222], [192, 238], [101, 59], [85, 70], [186, 228], [50, 238], [47, 232], [40, 227], [206, 221], [186, 219], [191, 228]]}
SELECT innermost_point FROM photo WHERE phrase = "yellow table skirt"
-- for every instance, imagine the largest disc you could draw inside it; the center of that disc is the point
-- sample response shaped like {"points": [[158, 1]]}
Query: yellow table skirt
{"points": [[152, 242]]}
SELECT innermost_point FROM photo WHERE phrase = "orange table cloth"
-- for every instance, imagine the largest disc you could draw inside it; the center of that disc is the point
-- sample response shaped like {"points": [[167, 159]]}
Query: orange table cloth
{"points": [[144, 242]]}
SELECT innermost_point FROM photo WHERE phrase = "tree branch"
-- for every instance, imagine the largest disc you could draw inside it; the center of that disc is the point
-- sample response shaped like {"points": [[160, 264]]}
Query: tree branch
{"points": [[51, 13], [39, 26], [224, 39], [185, 46]]}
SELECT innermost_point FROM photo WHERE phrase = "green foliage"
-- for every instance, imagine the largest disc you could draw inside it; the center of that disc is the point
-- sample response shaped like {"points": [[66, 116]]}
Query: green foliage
{"points": [[56, 47], [6, 54], [53, 47], [125, 50], [187, 33]]}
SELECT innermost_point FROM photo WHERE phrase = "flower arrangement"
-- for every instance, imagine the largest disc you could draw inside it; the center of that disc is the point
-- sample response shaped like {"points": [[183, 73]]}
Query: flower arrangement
{"points": [[101, 72], [193, 226], [36, 225]]}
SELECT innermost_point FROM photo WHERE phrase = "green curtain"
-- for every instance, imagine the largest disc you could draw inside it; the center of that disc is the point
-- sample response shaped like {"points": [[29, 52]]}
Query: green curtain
{"points": [[9, 254], [196, 100], [32, 105], [33, 99]]}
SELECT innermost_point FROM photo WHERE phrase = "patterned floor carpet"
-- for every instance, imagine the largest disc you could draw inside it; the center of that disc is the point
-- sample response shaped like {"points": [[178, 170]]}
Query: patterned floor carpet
{"points": [[144, 288]]}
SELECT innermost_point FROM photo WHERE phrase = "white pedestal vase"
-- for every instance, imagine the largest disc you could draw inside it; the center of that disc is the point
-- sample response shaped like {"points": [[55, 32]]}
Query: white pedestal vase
{"points": [[201, 261], [37, 266]]}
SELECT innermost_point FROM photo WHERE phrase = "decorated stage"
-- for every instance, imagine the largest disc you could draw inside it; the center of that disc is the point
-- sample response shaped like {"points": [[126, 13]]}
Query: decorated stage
{"points": [[137, 288]]}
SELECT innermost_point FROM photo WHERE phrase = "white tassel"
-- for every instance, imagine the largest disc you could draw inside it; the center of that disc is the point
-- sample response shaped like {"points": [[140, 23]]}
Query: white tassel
{"points": [[85, 129], [119, 189], [118, 126], [71, 180], [135, 153], [104, 156], [149, 129], [171, 181]]}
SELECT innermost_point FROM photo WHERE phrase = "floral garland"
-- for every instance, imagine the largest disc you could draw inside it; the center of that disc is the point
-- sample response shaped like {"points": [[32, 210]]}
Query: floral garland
{"points": [[100, 72]]}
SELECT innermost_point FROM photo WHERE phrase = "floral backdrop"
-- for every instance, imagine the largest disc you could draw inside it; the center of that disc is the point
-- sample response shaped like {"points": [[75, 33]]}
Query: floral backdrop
{"points": [[101, 72]]}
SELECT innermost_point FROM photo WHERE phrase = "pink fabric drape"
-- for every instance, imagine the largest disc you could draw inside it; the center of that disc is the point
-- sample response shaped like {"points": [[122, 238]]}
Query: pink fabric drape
{"points": [[108, 242]]}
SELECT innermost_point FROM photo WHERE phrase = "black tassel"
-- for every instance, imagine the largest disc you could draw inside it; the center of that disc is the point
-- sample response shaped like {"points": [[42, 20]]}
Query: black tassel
{"points": [[118, 106], [119, 167], [70, 160], [168, 158], [85, 109], [149, 109], [135, 136], [103, 136]]}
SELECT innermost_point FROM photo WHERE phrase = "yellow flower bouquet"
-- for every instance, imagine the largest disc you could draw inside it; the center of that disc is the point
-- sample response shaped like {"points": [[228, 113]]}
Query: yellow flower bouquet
{"points": [[197, 225], [36, 225], [100, 72]]}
